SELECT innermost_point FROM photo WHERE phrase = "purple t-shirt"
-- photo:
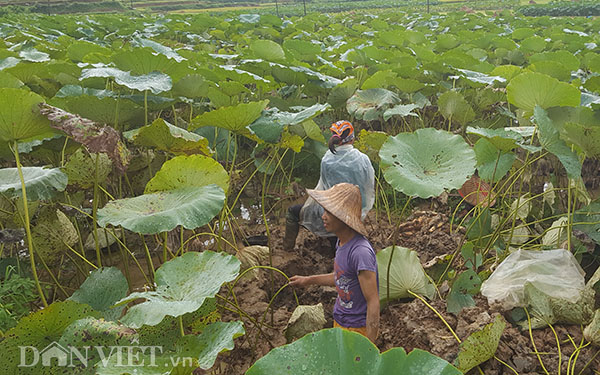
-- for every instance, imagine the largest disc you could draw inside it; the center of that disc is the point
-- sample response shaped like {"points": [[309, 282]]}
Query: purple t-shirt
{"points": [[356, 255]]}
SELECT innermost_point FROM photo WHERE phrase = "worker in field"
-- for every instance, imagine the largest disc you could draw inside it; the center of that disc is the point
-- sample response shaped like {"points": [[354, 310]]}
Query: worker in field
{"points": [[354, 273], [341, 163]]}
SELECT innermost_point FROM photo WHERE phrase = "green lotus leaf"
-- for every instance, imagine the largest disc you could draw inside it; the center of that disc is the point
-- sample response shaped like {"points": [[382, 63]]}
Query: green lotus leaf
{"points": [[481, 345], [530, 89], [289, 76], [40, 183], [406, 273], [586, 137], [33, 55], [480, 77], [8, 62], [293, 141], [188, 171], [191, 86], [552, 69], [592, 331], [156, 82], [166, 137], [39, 330], [272, 122], [522, 33], [190, 207], [7, 80], [81, 168], [159, 48], [427, 162], [401, 110], [380, 79], [370, 142], [267, 50], [79, 49], [235, 118], [550, 140], [189, 353], [302, 49], [313, 131], [220, 140], [335, 352], [92, 333], [533, 44], [103, 110], [101, 290], [19, 118], [408, 85], [249, 18], [564, 57], [503, 139], [453, 106], [182, 286], [587, 220], [52, 233], [507, 72], [370, 104], [463, 289], [143, 61], [341, 93], [492, 163]]}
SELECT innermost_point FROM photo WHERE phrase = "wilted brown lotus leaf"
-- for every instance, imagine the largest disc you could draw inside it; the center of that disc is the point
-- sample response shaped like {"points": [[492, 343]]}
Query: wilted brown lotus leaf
{"points": [[95, 138]]}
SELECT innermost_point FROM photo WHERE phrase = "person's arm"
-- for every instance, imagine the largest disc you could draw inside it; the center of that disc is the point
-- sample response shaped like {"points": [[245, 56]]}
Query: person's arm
{"points": [[325, 279], [368, 286]]}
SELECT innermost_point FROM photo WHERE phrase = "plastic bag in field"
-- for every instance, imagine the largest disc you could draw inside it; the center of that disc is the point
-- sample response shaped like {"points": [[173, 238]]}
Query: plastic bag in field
{"points": [[556, 273]]}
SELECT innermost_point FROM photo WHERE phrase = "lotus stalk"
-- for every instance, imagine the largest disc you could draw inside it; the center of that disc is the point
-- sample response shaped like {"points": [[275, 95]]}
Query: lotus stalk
{"points": [[28, 226]]}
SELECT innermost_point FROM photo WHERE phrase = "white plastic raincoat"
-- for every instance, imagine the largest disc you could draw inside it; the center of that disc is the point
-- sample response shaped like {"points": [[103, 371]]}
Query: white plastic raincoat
{"points": [[346, 165]]}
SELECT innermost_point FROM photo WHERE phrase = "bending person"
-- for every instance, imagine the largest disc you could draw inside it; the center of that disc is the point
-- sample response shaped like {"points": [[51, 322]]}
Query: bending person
{"points": [[341, 163], [355, 273]]}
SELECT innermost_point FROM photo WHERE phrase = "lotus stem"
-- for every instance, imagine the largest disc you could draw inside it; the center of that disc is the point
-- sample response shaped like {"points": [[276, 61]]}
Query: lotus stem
{"points": [[95, 212], [533, 342], [436, 313], [28, 226], [558, 347]]}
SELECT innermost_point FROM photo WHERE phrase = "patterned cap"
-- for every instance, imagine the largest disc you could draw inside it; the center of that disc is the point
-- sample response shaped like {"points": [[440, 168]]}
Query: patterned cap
{"points": [[339, 127]]}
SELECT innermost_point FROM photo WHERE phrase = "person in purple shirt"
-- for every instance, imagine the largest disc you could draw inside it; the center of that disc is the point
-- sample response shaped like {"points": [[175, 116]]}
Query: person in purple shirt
{"points": [[355, 274]]}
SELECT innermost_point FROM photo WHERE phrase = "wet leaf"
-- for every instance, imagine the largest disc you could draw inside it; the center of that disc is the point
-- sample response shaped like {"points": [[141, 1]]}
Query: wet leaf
{"points": [[481, 345], [101, 290], [463, 289]]}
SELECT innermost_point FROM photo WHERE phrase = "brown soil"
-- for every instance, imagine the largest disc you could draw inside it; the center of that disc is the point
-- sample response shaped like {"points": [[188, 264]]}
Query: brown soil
{"points": [[409, 324]]}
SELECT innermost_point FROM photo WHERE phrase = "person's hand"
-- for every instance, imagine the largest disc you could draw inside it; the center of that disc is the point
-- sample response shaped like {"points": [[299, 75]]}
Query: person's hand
{"points": [[299, 280]]}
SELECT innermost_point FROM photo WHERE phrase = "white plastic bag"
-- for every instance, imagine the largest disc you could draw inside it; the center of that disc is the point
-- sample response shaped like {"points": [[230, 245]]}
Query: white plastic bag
{"points": [[554, 272]]}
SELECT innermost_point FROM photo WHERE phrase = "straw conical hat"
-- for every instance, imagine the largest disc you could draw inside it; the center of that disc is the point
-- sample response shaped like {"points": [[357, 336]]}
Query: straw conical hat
{"points": [[344, 202]]}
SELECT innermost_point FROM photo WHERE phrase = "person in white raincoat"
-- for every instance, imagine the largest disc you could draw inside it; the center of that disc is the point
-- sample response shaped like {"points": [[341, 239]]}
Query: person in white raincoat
{"points": [[341, 163]]}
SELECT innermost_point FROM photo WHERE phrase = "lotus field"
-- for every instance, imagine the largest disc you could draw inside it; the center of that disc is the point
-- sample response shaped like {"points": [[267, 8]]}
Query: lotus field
{"points": [[143, 156]]}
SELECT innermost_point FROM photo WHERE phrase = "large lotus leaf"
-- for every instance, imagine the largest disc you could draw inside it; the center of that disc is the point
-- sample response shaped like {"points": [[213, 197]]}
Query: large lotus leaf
{"points": [[19, 119], [39, 330], [192, 86], [156, 82], [463, 289], [552, 69], [166, 137], [481, 345], [33, 55], [370, 104], [101, 290], [427, 162], [40, 183], [550, 140], [182, 285], [406, 273], [159, 48], [235, 118], [587, 220], [480, 77], [503, 139], [401, 110], [8, 62], [564, 57], [52, 233], [190, 352], [98, 335], [77, 50], [271, 123], [380, 79], [454, 107], [556, 234], [305, 319], [339, 352], [302, 49], [102, 109], [190, 207], [341, 93], [7, 80], [188, 171], [507, 72], [293, 141], [370, 142], [492, 163], [81, 168], [267, 50], [528, 90], [97, 139], [141, 61], [313, 131], [586, 137]]}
